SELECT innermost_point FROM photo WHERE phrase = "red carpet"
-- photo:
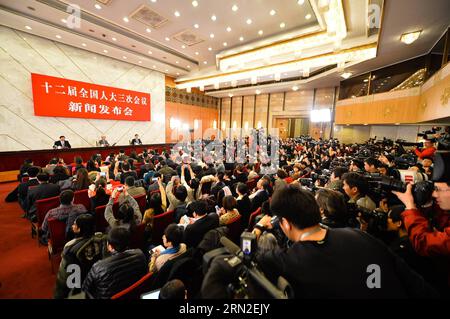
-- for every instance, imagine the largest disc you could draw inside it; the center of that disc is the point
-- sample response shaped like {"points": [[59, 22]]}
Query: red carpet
{"points": [[25, 270]]}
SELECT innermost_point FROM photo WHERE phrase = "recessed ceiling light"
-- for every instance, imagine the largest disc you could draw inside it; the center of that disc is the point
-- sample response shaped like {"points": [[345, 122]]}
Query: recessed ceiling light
{"points": [[154, 66], [126, 19], [196, 53], [183, 46], [225, 44], [58, 36], [63, 20], [346, 75], [124, 57], [228, 29], [140, 62], [258, 92], [249, 21], [153, 1], [211, 35], [205, 62], [178, 73], [150, 52], [167, 70], [301, 2], [209, 49], [410, 37], [230, 94], [167, 39], [114, 39], [97, 6], [194, 3], [148, 30], [260, 32], [308, 16], [295, 88], [241, 39], [177, 13], [282, 25], [234, 8], [177, 62], [83, 44], [196, 26], [272, 12], [188, 66], [213, 17], [28, 27]]}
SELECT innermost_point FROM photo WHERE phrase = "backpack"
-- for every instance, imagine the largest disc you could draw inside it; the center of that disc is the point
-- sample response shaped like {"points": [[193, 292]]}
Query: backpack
{"points": [[93, 250]]}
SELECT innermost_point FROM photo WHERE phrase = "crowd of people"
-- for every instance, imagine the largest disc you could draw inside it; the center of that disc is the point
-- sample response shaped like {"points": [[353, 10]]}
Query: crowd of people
{"points": [[322, 217]]}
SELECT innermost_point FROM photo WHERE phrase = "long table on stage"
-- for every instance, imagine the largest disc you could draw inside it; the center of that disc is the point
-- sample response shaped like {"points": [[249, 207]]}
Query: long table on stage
{"points": [[10, 161]]}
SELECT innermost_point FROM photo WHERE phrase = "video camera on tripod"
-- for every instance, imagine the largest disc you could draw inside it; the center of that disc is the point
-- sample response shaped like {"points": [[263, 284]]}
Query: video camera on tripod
{"points": [[248, 281]]}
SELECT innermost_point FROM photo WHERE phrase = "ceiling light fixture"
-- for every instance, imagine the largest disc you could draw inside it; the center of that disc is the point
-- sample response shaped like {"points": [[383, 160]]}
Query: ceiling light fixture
{"points": [[188, 66], [148, 30], [177, 13], [308, 16], [258, 92], [196, 26], [183, 47], [213, 17], [97, 6], [167, 39], [228, 29], [126, 19], [178, 73], [260, 32], [241, 39], [58, 36], [225, 44], [205, 62], [154, 66], [346, 75], [63, 20], [282, 25], [140, 62], [410, 37], [249, 21], [83, 44], [209, 49], [230, 94], [211, 35], [124, 57], [272, 12], [195, 4], [295, 88], [114, 39], [28, 27], [196, 53], [235, 8], [150, 52], [301, 2]]}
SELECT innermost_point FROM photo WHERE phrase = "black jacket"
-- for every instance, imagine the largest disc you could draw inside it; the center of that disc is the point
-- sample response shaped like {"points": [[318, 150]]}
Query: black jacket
{"points": [[351, 254], [23, 192], [136, 141], [41, 191], [123, 176], [259, 199], [58, 143], [193, 234], [244, 206], [115, 273]]}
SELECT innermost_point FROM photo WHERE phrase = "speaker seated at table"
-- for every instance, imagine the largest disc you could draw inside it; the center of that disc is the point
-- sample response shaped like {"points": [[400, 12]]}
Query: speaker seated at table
{"points": [[136, 140], [103, 142], [62, 143]]}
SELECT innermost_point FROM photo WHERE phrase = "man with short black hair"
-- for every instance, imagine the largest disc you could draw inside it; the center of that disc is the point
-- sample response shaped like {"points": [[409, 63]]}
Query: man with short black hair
{"points": [[200, 224], [126, 171], [356, 187], [41, 191], [132, 190], [117, 272], [356, 166], [336, 182], [23, 188], [66, 212], [136, 140], [173, 290], [62, 143], [315, 250], [371, 165]]}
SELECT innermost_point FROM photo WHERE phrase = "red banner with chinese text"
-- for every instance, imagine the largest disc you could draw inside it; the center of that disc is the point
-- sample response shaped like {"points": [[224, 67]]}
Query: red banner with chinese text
{"points": [[59, 97]]}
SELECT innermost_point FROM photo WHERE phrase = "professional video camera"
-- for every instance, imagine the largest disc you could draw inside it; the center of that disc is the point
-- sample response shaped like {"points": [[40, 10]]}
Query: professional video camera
{"points": [[426, 134], [248, 281]]}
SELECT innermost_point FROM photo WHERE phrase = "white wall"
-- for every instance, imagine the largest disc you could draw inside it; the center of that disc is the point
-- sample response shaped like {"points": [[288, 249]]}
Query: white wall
{"points": [[22, 54]]}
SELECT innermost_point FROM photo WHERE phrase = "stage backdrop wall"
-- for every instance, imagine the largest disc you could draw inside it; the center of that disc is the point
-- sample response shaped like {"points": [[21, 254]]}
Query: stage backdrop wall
{"points": [[22, 54]]}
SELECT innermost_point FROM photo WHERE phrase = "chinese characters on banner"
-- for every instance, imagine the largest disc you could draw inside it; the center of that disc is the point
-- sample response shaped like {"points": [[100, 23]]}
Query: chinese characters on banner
{"points": [[59, 97]]}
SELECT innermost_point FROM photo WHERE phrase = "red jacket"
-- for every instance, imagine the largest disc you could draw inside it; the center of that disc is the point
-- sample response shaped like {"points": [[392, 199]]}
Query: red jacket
{"points": [[427, 152], [424, 241]]}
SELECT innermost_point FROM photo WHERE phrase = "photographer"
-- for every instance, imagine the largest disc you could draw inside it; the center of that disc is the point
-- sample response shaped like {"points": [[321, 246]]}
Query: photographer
{"points": [[335, 183], [356, 187], [333, 209], [371, 165], [348, 252], [427, 151], [443, 139]]}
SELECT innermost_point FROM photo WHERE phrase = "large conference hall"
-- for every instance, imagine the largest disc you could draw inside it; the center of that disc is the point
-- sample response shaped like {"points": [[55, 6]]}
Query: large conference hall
{"points": [[235, 149]]}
